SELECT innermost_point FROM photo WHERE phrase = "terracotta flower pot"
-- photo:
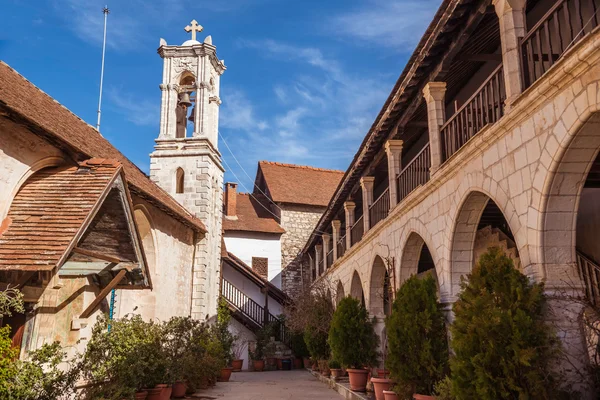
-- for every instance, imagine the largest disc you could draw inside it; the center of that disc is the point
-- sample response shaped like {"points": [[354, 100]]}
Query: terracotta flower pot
{"points": [[225, 374], [259, 365], [390, 395], [280, 363], [422, 397], [165, 394], [141, 395], [179, 389], [237, 365], [358, 379], [297, 363], [306, 362], [336, 373], [379, 386], [154, 394], [383, 373]]}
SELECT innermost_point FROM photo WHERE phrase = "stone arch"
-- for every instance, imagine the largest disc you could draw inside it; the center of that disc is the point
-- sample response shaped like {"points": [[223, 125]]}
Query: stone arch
{"points": [[179, 180], [356, 288], [339, 293], [379, 290]]}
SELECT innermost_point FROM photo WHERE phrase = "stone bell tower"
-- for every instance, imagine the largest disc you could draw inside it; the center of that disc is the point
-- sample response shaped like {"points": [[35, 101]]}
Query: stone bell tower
{"points": [[186, 161]]}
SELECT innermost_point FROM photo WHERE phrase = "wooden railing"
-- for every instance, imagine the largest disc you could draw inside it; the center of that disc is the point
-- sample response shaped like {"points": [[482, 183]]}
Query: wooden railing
{"points": [[485, 106], [357, 231], [251, 309], [281, 332], [590, 273], [329, 258], [341, 246], [380, 208], [563, 25], [415, 173]]}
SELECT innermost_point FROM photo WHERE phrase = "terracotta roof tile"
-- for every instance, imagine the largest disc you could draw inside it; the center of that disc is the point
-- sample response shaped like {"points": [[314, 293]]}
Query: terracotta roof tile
{"points": [[48, 212], [23, 98], [299, 184], [251, 217]]}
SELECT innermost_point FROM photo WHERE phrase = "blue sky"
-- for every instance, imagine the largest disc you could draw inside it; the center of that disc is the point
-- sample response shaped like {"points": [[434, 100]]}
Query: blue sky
{"points": [[304, 79]]}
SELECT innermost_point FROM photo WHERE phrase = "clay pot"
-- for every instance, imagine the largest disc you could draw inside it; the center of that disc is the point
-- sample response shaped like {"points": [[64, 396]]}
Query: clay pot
{"points": [[297, 363], [379, 386], [358, 379], [422, 397], [390, 395], [336, 373], [166, 392], [179, 389], [306, 362], [383, 373], [237, 365], [259, 365], [280, 363], [324, 367], [154, 394], [225, 374], [141, 395]]}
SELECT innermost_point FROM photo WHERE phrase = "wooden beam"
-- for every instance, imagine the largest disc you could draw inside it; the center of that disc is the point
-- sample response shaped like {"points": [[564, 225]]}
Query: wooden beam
{"points": [[480, 57], [115, 281], [95, 254], [24, 279]]}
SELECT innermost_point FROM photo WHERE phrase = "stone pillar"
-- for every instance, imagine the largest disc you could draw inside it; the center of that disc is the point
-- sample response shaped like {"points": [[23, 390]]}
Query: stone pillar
{"points": [[335, 226], [366, 183], [349, 207], [318, 253], [326, 238], [511, 15], [434, 94], [393, 149]]}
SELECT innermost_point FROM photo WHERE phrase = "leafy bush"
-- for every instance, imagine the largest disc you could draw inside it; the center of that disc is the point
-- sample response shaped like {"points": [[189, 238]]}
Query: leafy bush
{"points": [[178, 333], [352, 338], [503, 345], [416, 335], [262, 347], [334, 364], [316, 343], [11, 299], [8, 367], [225, 337], [298, 345]]}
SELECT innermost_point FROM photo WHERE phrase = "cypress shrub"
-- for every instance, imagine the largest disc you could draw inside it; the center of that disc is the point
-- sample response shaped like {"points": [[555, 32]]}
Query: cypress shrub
{"points": [[352, 338], [417, 340], [503, 345]]}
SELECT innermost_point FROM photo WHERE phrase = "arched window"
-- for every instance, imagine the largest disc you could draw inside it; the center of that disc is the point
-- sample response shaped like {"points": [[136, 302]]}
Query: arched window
{"points": [[179, 181]]}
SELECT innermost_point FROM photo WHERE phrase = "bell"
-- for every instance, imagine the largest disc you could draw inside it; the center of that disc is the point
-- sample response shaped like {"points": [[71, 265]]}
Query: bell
{"points": [[191, 117], [184, 99]]}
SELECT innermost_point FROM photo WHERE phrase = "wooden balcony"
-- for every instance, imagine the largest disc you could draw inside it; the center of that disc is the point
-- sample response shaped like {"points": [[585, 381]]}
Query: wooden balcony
{"points": [[485, 106], [380, 208], [567, 22], [357, 231], [415, 174]]}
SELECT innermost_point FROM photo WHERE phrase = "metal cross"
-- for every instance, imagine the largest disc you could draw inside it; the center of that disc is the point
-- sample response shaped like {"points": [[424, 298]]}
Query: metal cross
{"points": [[194, 27]]}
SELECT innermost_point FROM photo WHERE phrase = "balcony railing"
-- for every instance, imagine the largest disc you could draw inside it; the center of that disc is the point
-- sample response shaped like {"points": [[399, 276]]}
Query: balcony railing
{"points": [[563, 25], [329, 258], [238, 299], [357, 231], [341, 246], [380, 208], [415, 173], [590, 273], [485, 106]]}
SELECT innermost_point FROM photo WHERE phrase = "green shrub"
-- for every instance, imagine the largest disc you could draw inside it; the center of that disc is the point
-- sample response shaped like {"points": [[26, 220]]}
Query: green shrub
{"points": [[262, 345], [225, 337], [316, 343], [205, 356], [352, 338], [178, 333], [8, 367], [416, 334], [334, 364], [298, 345], [503, 345]]}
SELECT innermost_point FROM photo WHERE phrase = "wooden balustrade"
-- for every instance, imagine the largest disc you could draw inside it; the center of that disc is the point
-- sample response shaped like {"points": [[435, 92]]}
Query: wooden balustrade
{"points": [[357, 231], [380, 208], [563, 25], [415, 173], [485, 106], [341, 246], [281, 332], [250, 308], [590, 274]]}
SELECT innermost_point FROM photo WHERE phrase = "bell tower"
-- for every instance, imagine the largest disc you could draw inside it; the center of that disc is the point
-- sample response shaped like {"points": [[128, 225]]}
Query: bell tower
{"points": [[186, 161]]}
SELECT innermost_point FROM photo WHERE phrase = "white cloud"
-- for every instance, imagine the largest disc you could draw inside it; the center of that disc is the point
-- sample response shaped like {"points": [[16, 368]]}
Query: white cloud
{"points": [[238, 113], [397, 24], [140, 112]]}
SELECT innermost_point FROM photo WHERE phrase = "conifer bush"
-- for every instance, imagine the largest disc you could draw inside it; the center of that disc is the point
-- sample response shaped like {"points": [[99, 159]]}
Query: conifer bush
{"points": [[352, 338], [503, 347], [417, 341]]}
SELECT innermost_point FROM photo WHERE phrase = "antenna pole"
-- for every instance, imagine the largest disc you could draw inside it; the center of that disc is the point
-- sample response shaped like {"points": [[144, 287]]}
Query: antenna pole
{"points": [[105, 11]]}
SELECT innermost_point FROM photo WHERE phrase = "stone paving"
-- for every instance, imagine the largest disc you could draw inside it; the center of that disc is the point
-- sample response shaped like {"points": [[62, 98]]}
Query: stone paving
{"points": [[271, 385]]}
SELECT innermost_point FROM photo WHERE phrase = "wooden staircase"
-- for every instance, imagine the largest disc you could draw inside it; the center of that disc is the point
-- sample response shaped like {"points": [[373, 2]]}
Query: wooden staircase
{"points": [[590, 275], [493, 237]]}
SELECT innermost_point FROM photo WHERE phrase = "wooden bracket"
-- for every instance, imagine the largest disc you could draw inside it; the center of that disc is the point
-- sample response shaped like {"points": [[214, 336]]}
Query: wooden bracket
{"points": [[112, 284]]}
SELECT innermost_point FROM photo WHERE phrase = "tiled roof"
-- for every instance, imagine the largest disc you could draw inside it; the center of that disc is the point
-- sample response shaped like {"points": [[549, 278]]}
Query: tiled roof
{"points": [[82, 141], [298, 184], [251, 217], [49, 211]]}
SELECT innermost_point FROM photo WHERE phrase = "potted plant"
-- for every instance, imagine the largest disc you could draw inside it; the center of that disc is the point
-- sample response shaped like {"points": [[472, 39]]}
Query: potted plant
{"points": [[382, 382], [336, 369], [225, 337], [353, 341], [416, 338], [239, 347], [324, 367], [257, 354], [390, 395], [299, 349]]}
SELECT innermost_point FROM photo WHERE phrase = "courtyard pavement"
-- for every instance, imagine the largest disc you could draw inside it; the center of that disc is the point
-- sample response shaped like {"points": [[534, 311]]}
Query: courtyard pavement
{"points": [[270, 385]]}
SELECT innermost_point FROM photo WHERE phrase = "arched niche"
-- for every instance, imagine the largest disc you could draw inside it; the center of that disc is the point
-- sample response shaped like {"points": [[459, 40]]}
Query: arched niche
{"points": [[356, 288]]}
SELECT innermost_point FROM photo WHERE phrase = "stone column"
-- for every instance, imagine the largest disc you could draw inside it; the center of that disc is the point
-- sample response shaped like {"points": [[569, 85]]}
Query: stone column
{"points": [[349, 207], [318, 253], [326, 238], [434, 94], [393, 149], [335, 226], [511, 15], [366, 183]]}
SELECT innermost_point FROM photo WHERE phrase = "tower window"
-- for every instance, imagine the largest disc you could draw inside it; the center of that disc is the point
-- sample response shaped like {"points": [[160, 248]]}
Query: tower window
{"points": [[179, 180]]}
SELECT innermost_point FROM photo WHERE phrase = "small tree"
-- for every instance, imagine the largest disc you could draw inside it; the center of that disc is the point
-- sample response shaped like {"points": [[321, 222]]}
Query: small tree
{"points": [[222, 332], [503, 345], [416, 334], [352, 338], [316, 343]]}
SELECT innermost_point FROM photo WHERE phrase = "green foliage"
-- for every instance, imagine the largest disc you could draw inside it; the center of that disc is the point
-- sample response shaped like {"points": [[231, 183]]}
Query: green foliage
{"points": [[334, 364], [416, 334], [8, 367], [316, 343], [503, 345], [178, 333], [263, 346], [298, 345], [352, 338], [11, 300], [443, 389], [222, 332]]}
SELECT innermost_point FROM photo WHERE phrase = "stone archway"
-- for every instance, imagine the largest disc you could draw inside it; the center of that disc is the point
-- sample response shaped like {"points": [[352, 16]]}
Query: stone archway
{"points": [[416, 258], [339, 293], [379, 290], [356, 288]]}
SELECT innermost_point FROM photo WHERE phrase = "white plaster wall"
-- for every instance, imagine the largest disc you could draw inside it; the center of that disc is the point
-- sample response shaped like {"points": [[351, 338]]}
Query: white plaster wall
{"points": [[250, 289], [247, 245], [244, 335]]}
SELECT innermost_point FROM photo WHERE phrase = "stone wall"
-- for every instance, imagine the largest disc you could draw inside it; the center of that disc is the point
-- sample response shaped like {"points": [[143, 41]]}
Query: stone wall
{"points": [[298, 222]]}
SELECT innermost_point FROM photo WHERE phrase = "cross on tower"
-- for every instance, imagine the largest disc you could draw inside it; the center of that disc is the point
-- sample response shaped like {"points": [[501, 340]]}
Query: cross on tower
{"points": [[194, 27]]}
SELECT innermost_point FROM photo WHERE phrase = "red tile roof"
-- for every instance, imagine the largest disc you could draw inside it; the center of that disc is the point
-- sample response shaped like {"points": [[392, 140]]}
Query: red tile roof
{"points": [[82, 141], [251, 217], [49, 211], [298, 184]]}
